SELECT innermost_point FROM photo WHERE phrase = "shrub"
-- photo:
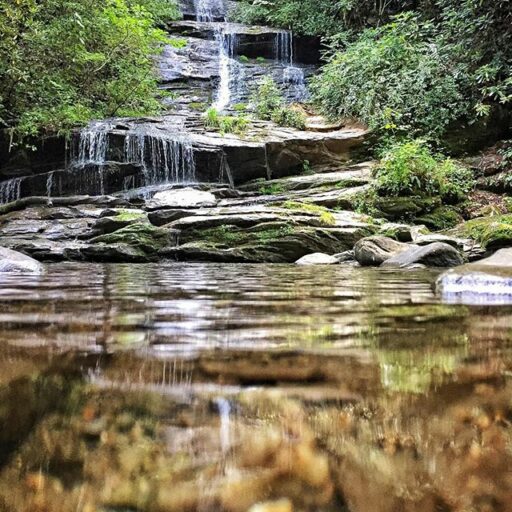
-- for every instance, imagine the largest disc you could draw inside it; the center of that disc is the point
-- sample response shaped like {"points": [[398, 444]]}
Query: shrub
{"points": [[267, 98], [270, 105], [411, 169], [287, 116], [395, 79], [225, 124]]}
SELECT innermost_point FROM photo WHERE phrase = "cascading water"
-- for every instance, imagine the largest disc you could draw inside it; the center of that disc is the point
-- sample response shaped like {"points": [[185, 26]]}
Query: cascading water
{"points": [[162, 157], [293, 75], [10, 190], [231, 72], [209, 10]]}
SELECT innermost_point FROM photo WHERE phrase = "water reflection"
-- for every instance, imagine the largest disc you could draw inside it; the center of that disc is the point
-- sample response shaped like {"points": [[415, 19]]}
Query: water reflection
{"points": [[240, 388]]}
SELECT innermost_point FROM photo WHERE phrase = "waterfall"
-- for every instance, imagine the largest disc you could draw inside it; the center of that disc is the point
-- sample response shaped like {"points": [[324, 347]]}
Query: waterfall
{"points": [[49, 184], [92, 145], [10, 190], [231, 72], [163, 157], [209, 10], [296, 80], [283, 47], [292, 75]]}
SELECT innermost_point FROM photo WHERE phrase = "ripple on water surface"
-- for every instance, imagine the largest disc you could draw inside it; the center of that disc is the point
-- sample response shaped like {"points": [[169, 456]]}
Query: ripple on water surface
{"points": [[191, 387]]}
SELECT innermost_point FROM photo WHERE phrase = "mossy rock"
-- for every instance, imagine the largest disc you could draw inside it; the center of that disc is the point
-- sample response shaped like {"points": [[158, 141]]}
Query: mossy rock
{"points": [[144, 238], [405, 208], [490, 232], [444, 217]]}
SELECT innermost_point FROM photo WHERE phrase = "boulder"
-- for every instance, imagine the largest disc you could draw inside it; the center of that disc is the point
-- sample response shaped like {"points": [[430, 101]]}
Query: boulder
{"points": [[437, 254], [317, 258], [375, 250], [12, 261], [182, 198], [488, 281]]}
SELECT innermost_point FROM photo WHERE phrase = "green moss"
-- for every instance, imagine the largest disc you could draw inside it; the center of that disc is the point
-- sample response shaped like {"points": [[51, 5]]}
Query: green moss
{"points": [[444, 217], [244, 59], [145, 238], [130, 216], [222, 235], [261, 60], [326, 216], [490, 232], [266, 235]]}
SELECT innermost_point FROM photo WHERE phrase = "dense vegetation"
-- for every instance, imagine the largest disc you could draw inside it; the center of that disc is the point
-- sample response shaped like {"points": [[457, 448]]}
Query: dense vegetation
{"points": [[63, 62], [407, 68]]}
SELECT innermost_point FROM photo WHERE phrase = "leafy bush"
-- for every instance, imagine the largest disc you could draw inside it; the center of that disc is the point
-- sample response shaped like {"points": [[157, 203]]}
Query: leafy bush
{"points": [[267, 98], [394, 79], [225, 124], [63, 62], [410, 169], [270, 105]]}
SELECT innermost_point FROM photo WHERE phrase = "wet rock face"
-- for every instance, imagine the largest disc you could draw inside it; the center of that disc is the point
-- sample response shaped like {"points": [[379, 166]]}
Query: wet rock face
{"points": [[13, 261]]}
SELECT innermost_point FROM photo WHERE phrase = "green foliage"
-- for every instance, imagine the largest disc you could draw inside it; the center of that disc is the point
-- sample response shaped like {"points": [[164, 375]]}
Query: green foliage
{"points": [[225, 124], [312, 17], [63, 62], [395, 80], [270, 105], [410, 169], [244, 59], [271, 189], [267, 98]]}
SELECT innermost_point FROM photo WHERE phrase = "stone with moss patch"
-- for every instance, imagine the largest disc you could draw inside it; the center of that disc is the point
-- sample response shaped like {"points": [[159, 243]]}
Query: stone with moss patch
{"points": [[146, 239], [490, 232]]}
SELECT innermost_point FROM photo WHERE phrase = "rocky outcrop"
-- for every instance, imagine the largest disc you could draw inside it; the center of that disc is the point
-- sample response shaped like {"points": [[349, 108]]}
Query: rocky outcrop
{"points": [[182, 198], [437, 254], [12, 261], [375, 250], [317, 258]]}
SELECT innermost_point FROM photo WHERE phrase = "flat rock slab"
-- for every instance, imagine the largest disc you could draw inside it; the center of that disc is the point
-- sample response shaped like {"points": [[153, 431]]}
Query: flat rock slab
{"points": [[488, 281], [182, 198]]}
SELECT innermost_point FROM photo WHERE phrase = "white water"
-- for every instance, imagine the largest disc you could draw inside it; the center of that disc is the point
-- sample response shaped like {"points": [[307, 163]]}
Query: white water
{"points": [[10, 190], [231, 72], [209, 10], [163, 158]]}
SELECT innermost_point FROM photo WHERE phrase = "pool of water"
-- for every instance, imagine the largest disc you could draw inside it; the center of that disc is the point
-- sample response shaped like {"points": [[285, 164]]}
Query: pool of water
{"points": [[250, 387]]}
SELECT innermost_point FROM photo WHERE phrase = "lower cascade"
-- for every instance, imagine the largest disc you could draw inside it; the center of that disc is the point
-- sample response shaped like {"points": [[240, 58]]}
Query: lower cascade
{"points": [[162, 158]]}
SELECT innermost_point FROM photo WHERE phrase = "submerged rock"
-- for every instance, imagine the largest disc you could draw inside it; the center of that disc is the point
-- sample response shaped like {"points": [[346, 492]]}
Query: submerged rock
{"points": [[317, 258], [13, 261], [486, 281], [437, 254], [375, 250]]}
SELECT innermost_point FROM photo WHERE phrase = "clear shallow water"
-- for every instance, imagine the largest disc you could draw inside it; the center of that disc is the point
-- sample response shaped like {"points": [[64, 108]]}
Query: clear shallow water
{"points": [[189, 386]]}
